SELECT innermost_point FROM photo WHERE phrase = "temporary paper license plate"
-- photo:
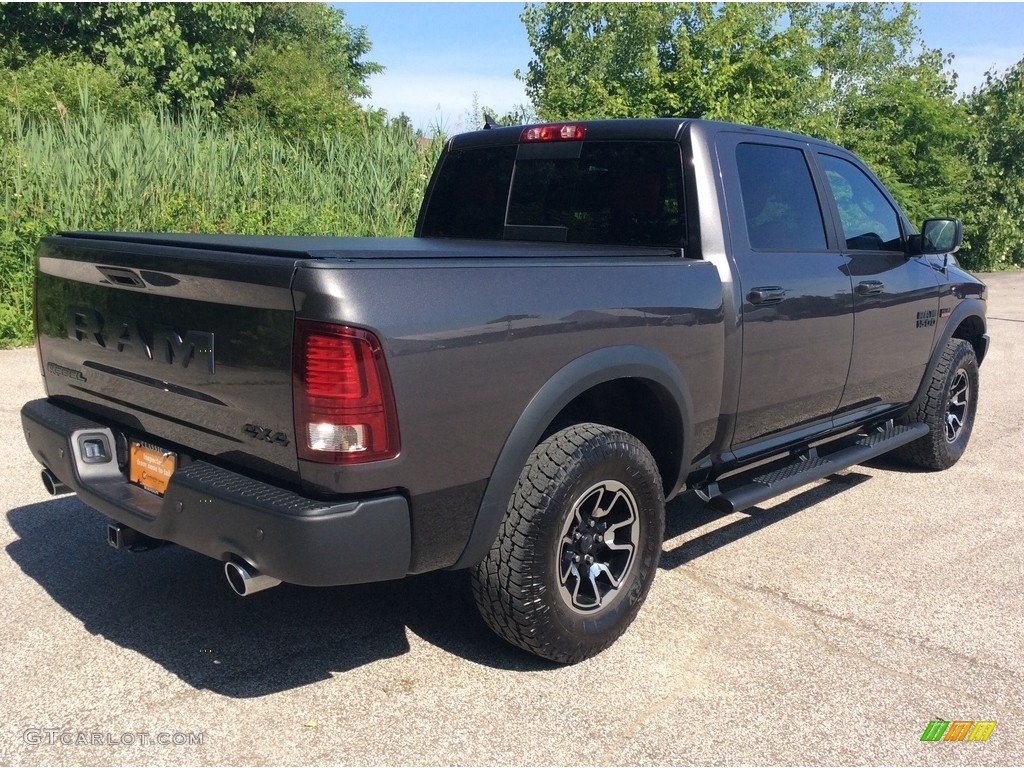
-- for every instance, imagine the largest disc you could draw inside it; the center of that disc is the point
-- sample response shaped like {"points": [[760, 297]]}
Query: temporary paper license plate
{"points": [[151, 467]]}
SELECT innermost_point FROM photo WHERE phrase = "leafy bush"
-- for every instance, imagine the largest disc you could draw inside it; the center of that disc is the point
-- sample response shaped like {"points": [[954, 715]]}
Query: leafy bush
{"points": [[61, 86]]}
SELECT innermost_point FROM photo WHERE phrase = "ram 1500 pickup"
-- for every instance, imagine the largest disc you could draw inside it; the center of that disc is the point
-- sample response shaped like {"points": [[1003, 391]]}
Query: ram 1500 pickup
{"points": [[591, 318]]}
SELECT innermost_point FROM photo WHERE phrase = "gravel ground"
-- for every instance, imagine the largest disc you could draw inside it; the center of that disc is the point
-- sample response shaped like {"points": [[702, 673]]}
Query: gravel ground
{"points": [[826, 627]]}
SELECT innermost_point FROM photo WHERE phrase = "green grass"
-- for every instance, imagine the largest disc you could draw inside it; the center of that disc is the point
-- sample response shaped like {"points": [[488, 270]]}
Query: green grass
{"points": [[156, 174]]}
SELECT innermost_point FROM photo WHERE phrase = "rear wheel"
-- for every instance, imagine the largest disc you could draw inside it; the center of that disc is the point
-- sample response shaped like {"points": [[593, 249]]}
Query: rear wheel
{"points": [[579, 547], [948, 407]]}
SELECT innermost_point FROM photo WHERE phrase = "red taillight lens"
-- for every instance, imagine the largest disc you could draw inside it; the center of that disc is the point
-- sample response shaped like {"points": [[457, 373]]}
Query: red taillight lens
{"points": [[554, 132], [344, 406]]}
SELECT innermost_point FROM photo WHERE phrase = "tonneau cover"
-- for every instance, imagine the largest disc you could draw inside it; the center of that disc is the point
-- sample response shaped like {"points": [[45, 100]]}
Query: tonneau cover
{"points": [[373, 247]]}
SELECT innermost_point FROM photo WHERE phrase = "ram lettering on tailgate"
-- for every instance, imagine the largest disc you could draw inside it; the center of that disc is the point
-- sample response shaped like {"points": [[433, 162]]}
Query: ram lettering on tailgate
{"points": [[160, 343]]}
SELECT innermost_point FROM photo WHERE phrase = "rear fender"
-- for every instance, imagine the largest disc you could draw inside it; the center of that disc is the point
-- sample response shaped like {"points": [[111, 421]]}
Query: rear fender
{"points": [[574, 379]]}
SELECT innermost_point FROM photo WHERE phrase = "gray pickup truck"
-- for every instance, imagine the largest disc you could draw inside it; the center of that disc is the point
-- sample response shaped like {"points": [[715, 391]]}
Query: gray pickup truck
{"points": [[592, 318]]}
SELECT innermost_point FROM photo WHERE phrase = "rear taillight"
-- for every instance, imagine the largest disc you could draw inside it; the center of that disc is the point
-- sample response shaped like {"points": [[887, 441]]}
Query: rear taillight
{"points": [[344, 405]]}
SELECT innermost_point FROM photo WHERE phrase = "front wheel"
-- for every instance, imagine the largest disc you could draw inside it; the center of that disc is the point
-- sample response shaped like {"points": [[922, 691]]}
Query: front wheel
{"points": [[579, 547], [948, 407]]}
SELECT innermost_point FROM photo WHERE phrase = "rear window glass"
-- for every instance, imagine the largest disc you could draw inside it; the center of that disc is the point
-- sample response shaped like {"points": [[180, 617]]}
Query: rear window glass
{"points": [[621, 193], [471, 194]]}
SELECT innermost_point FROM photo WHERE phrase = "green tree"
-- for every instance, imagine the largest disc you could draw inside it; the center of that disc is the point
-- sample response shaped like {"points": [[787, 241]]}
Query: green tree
{"points": [[197, 55], [596, 59], [910, 128], [743, 63], [728, 61], [63, 86], [857, 74], [996, 225], [322, 32], [303, 73], [856, 47], [182, 53], [781, 65]]}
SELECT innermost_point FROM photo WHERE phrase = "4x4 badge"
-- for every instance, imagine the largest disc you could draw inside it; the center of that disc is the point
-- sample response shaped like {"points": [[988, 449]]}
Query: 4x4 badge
{"points": [[267, 434]]}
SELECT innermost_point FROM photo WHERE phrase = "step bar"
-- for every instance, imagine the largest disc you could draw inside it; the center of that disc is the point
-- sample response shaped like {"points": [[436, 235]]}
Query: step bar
{"points": [[806, 467]]}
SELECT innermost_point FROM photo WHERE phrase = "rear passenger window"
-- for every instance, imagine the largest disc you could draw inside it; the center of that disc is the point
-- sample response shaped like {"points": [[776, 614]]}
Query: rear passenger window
{"points": [[779, 202], [869, 222]]}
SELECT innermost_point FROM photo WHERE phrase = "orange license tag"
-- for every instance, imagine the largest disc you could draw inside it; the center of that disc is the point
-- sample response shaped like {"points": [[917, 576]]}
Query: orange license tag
{"points": [[151, 467]]}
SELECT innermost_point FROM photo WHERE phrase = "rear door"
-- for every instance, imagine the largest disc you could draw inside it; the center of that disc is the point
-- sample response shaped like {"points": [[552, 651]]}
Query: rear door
{"points": [[895, 297], [797, 305]]}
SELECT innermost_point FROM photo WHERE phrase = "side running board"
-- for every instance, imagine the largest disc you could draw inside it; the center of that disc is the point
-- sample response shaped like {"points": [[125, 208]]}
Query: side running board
{"points": [[808, 467]]}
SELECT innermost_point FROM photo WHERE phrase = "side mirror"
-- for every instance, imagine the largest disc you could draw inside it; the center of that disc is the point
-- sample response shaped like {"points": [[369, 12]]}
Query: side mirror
{"points": [[942, 236]]}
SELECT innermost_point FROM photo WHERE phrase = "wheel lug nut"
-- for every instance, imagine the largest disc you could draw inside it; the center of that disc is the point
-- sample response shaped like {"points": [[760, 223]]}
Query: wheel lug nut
{"points": [[590, 523], [577, 536], [589, 559], [599, 539], [576, 559]]}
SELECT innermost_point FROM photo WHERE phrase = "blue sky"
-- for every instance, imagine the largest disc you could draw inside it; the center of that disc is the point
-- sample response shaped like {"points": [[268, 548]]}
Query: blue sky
{"points": [[438, 55]]}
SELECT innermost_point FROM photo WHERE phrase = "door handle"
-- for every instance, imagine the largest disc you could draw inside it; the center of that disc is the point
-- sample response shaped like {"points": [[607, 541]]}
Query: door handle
{"points": [[870, 287], [770, 294]]}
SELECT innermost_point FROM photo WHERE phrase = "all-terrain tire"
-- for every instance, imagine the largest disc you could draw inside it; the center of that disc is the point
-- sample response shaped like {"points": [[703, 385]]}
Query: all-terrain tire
{"points": [[579, 546], [948, 408]]}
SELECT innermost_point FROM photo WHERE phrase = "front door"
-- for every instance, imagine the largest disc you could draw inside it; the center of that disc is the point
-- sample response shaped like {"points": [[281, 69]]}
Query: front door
{"points": [[895, 297]]}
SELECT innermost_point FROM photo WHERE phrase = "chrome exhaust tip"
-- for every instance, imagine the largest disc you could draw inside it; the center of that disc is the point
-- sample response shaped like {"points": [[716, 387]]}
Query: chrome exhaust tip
{"points": [[53, 486], [246, 580]]}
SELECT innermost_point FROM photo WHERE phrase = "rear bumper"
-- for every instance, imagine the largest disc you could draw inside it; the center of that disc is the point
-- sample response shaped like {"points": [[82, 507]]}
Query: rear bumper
{"points": [[227, 515]]}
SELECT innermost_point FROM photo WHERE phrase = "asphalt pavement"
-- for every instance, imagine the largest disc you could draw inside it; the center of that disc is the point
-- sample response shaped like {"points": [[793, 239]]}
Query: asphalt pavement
{"points": [[829, 626]]}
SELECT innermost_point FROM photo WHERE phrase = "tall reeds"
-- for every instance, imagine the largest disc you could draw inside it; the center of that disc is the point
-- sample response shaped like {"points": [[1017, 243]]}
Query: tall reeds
{"points": [[192, 174]]}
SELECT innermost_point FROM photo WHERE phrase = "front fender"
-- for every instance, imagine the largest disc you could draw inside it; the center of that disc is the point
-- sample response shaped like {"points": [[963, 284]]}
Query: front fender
{"points": [[966, 309]]}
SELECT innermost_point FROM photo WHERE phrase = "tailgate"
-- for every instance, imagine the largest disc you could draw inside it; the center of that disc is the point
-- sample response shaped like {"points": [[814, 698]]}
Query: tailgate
{"points": [[185, 346]]}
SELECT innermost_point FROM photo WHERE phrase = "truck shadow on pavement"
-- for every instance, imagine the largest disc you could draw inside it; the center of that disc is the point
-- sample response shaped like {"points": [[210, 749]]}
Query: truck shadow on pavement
{"points": [[174, 607]]}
